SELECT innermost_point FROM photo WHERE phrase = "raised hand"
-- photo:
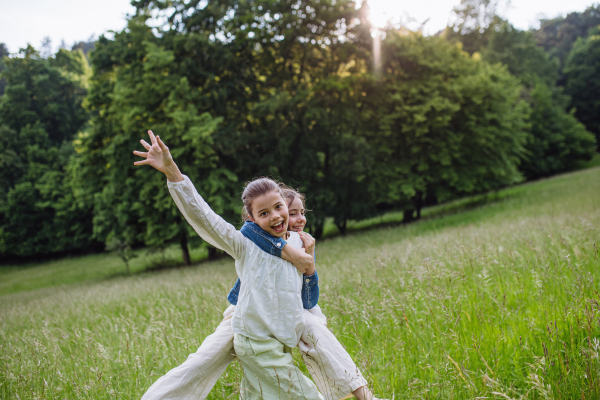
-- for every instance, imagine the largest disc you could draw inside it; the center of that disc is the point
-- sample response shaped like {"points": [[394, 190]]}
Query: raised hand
{"points": [[159, 157]]}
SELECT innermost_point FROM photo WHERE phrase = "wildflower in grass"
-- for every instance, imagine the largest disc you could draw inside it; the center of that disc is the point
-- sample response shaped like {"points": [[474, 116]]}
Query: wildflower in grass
{"points": [[485, 277], [102, 351], [536, 280]]}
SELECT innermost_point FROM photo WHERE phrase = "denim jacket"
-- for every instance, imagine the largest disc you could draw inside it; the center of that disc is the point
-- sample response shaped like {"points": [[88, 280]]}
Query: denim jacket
{"points": [[273, 245]]}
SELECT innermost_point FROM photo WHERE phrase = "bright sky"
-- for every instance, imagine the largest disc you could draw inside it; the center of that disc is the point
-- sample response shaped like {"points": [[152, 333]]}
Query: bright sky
{"points": [[521, 13], [23, 22]]}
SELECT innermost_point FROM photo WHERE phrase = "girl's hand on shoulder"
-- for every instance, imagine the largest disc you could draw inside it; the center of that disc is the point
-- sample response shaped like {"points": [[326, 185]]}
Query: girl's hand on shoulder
{"points": [[159, 157], [304, 262], [309, 242]]}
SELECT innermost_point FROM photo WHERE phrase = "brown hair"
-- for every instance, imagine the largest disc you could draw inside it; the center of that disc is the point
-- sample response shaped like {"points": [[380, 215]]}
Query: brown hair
{"points": [[290, 195], [256, 188]]}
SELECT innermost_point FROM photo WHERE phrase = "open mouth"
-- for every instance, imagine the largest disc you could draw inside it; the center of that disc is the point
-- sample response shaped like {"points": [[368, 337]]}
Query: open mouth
{"points": [[278, 228]]}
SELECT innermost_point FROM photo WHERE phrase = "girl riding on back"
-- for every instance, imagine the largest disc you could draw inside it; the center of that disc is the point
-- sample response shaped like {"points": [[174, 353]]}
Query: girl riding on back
{"points": [[269, 318]]}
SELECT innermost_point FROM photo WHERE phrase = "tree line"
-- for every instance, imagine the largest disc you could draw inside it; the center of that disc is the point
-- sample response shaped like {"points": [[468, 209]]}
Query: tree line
{"points": [[288, 89]]}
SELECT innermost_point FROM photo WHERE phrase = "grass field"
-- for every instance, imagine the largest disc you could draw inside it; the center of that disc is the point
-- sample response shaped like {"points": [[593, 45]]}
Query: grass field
{"points": [[496, 301]]}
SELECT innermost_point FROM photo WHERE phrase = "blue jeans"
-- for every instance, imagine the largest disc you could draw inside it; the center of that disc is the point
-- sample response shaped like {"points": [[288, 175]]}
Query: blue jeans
{"points": [[273, 245]]}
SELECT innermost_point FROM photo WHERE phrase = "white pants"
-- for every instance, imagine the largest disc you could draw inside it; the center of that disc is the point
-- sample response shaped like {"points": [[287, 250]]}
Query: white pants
{"points": [[329, 364], [270, 373]]}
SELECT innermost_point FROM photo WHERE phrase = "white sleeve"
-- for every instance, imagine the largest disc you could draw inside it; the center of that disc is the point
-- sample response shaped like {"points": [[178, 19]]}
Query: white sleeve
{"points": [[210, 226]]}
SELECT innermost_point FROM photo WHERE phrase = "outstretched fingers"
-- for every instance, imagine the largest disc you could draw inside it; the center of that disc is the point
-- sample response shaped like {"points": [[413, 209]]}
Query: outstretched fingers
{"points": [[141, 154], [143, 162], [145, 144], [163, 147]]}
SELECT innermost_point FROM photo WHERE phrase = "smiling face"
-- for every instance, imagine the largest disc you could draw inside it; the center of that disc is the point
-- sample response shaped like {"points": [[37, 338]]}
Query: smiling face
{"points": [[297, 215], [270, 212]]}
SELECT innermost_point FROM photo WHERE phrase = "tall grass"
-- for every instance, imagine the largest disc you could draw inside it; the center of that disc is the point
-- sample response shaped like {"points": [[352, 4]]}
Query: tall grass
{"points": [[499, 301]]}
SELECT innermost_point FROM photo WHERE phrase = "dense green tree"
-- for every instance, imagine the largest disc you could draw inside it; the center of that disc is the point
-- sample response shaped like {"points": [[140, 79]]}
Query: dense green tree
{"points": [[557, 140], [339, 118], [261, 69], [284, 88], [557, 35], [474, 21], [519, 51], [307, 125], [450, 124], [301, 105], [582, 71], [141, 83], [320, 132], [40, 113]]}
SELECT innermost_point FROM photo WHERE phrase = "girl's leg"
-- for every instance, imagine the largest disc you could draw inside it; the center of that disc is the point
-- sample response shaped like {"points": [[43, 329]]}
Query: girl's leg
{"points": [[269, 372], [330, 365], [195, 378]]}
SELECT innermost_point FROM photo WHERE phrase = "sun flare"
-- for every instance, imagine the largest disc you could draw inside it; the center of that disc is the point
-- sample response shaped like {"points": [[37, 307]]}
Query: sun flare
{"points": [[382, 12]]}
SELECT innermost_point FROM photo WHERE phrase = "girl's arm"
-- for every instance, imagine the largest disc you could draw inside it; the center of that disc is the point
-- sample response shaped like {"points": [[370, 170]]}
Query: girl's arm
{"points": [[310, 290], [309, 248], [302, 261], [278, 247], [310, 282], [211, 227]]}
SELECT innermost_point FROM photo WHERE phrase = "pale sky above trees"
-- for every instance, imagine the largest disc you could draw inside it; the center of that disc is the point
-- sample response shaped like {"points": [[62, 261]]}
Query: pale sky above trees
{"points": [[78, 20]]}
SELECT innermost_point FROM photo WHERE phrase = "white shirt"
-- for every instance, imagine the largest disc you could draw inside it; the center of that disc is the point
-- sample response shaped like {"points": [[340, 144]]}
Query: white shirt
{"points": [[269, 305]]}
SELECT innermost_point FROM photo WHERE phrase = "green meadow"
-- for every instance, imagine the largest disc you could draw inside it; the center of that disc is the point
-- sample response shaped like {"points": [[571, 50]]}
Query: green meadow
{"points": [[490, 297]]}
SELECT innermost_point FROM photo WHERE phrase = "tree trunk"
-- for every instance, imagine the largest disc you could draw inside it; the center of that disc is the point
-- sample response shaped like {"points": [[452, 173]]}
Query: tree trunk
{"points": [[342, 227], [318, 230], [418, 203], [212, 253], [408, 216], [184, 248]]}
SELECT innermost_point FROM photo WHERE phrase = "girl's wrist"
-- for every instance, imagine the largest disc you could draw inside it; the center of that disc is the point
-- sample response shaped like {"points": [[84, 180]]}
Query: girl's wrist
{"points": [[173, 174]]}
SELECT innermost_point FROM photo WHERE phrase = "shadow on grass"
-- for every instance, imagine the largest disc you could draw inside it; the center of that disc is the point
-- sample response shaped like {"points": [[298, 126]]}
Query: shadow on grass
{"points": [[169, 264], [163, 264], [395, 218], [594, 162]]}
